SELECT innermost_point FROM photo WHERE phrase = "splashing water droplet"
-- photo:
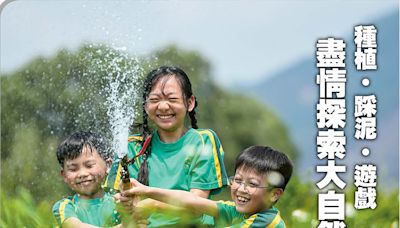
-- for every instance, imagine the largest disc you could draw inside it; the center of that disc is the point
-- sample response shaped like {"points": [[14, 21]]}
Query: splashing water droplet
{"points": [[120, 90]]}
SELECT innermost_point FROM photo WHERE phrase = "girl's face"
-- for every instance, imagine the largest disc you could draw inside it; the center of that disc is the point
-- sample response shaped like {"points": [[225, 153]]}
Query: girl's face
{"points": [[166, 106]]}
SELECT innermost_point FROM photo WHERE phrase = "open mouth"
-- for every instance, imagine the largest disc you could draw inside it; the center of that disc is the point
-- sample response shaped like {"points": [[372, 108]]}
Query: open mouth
{"points": [[165, 117], [242, 200]]}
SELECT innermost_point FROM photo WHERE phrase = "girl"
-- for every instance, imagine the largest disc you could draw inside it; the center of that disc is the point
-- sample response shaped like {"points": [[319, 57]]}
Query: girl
{"points": [[175, 156]]}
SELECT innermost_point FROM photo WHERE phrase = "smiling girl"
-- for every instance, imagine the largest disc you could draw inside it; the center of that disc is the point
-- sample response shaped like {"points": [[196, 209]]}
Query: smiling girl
{"points": [[178, 156]]}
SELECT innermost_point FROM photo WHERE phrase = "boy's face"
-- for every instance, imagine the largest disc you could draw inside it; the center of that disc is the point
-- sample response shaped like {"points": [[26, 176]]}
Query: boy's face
{"points": [[85, 174], [256, 196]]}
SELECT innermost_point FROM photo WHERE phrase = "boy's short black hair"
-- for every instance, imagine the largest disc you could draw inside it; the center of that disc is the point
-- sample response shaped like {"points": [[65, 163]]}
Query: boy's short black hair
{"points": [[265, 160], [72, 146]]}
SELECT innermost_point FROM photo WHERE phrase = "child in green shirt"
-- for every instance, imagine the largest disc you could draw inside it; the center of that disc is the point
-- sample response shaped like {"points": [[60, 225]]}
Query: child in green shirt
{"points": [[261, 175], [179, 155], [84, 162]]}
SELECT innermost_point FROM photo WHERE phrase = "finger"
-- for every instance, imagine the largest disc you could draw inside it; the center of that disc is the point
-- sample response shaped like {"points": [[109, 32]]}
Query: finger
{"points": [[117, 197], [132, 192], [126, 202], [135, 183]]}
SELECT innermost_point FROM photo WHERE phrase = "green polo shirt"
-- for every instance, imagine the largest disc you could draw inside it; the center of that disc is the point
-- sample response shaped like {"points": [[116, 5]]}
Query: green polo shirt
{"points": [[194, 161], [99, 212], [229, 216]]}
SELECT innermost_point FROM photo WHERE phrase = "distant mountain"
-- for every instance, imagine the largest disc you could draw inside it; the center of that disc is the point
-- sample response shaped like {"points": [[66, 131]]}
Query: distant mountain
{"points": [[293, 94]]}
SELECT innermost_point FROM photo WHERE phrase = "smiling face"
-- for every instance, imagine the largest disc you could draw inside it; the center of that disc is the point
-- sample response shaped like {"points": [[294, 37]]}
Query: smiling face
{"points": [[249, 199], [85, 174], [166, 106]]}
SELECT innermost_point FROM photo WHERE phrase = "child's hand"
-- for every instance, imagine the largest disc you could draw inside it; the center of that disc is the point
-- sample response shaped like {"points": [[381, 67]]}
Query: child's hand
{"points": [[145, 208], [137, 189], [126, 208], [128, 198], [126, 202]]}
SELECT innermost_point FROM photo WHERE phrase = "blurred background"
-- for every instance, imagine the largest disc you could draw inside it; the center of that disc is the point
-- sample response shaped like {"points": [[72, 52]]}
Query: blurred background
{"points": [[253, 69]]}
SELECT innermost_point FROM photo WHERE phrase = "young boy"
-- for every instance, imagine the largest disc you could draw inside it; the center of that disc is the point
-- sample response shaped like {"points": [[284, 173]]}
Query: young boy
{"points": [[84, 162], [261, 175]]}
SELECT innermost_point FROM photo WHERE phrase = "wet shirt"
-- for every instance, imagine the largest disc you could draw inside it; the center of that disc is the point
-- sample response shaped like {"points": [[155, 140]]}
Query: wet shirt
{"points": [[98, 212], [229, 217], [194, 161]]}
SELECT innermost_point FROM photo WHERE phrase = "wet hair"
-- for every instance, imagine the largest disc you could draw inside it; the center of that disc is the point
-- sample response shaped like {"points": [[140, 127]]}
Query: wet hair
{"points": [[73, 145], [151, 80], [266, 161]]}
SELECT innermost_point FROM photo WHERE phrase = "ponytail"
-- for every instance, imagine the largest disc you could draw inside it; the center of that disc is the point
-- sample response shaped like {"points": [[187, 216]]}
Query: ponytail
{"points": [[143, 173], [192, 116]]}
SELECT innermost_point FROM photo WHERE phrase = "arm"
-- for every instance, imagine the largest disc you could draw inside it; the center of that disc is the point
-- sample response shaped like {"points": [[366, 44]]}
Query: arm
{"points": [[148, 206], [187, 200], [201, 193]]}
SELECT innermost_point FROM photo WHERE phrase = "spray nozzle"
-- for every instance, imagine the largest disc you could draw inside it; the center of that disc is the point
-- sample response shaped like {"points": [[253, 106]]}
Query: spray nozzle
{"points": [[124, 164], [125, 172], [126, 161]]}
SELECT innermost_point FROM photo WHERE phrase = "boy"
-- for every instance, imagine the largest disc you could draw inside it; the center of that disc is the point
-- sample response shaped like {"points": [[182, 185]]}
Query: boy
{"points": [[84, 162], [261, 175]]}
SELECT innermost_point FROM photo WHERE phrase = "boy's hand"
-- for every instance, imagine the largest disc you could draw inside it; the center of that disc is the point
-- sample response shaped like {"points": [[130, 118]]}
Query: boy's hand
{"points": [[145, 208], [129, 198], [126, 202], [131, 214]]}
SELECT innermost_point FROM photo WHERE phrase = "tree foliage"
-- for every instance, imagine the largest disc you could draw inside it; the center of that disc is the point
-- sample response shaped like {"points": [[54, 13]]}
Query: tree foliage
{"points": [[49, 98]]}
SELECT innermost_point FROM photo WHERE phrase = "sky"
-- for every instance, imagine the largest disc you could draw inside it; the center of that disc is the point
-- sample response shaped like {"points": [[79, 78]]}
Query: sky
{"points": [[245, 41]]}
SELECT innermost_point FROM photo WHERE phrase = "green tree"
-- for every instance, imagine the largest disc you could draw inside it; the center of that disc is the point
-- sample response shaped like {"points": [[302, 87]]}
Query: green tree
{"points": [[47, 99]]}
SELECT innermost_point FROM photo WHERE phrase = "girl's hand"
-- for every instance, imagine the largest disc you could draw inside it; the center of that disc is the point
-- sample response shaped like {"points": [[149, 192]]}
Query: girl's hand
{"points": [[137, 189]]}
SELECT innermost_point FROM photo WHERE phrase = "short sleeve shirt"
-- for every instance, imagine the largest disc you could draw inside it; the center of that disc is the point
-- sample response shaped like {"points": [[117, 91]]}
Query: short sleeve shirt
{"points": [[229, 216], [98, 212], [194, 161]]}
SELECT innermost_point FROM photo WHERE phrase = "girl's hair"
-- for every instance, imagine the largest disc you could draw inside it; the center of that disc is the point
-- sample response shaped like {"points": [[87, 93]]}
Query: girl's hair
{"points": [[152, 79], [73, 145]]}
